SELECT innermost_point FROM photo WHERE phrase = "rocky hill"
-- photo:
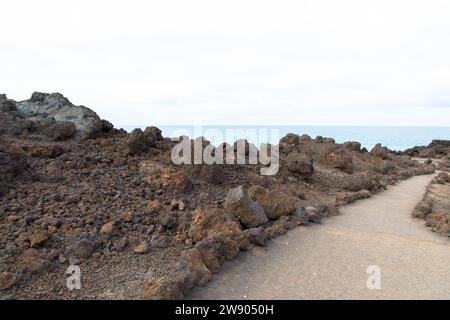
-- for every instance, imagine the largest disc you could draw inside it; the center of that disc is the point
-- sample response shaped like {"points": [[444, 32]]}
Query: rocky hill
{"points": [[76, 191]]}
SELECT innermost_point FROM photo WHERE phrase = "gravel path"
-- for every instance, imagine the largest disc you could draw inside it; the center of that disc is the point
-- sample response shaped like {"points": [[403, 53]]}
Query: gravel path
{"points": [[329, 261]]}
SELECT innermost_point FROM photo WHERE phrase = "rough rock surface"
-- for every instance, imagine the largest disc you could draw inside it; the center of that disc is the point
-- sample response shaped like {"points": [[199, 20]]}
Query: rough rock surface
{"points": [[58, 107], [275, 204], [300, 164], [248, 212], [435, 206]]}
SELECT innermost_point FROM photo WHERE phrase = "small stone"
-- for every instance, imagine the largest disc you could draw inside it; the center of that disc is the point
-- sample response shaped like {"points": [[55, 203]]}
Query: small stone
{"points": [[167, 221], [181, 205], [141, 248], [127, 216], [38, 238], [7, 280], [84, 247], [109, 229], [52, 229], [275, 230], [300, 215], [160, 241], [173, 204], [154, 206], [301, 195]]}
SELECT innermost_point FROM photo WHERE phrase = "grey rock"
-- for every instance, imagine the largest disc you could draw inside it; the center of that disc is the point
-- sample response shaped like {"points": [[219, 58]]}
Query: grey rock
{"points": [[136, 142], [59, 108], [300, 214], [249, 213], [300, 164], [256, 236]]}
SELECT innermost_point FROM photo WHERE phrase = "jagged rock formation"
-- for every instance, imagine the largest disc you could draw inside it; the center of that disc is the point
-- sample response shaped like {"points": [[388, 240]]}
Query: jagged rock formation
{"points": [[51, 115]]}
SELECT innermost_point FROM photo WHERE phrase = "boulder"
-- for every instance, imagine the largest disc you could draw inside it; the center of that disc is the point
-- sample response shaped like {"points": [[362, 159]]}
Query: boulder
{"points": [[216, 250], [48, 151], [319, 139], [339, 159], [439, 222], [84, 246], [214, 222], [304, 137], [256, 236], [167, 288], [275, 230], [192, 265], [353, 146], [57, 107], [422, 209], [7, 105], [275, 204], [290, 138], [308, 214], [379, 151], [167, 221], [300, 164], [106, 125], [248, 212], [213, 174], [152, 134], [136, 142], [442, 177], [313, 214], [160, 240]]}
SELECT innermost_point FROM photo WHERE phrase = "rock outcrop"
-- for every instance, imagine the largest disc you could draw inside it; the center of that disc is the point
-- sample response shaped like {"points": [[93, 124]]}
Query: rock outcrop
{"points": [[51, 115]]}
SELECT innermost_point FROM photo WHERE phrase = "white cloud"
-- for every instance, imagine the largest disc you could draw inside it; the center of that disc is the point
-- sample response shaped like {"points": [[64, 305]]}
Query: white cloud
{"points": [[253, 62]]}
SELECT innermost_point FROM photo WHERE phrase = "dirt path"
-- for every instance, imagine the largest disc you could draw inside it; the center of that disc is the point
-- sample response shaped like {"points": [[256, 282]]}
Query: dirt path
{"points": [[330, 261]]}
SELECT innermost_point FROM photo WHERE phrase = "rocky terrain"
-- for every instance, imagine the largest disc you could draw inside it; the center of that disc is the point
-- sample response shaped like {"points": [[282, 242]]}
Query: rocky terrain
{"points": [[76, 191], [435, 206], [437, 153]]}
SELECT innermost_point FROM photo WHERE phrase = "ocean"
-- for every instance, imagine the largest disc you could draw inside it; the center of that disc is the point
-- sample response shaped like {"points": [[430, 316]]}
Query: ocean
{"points": [[395, 138]]}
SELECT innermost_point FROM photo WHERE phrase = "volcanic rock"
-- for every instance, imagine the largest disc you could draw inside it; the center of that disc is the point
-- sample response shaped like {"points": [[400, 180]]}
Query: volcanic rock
{"points": [[248, 212], [275, 204]]}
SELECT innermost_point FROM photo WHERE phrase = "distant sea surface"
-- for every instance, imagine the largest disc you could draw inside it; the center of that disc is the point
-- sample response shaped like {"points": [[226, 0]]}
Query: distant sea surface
{"points": [[395, 138]]}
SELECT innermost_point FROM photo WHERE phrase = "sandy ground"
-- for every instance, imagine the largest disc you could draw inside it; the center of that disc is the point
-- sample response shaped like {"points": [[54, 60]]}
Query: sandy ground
{"points": [[330, 261]]}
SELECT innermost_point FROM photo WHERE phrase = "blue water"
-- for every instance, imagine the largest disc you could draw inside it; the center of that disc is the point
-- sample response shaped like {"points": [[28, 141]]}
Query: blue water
{"points": [[395, 138]]}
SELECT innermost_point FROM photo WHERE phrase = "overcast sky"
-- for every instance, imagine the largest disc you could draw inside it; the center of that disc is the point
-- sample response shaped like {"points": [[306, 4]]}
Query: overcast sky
{"points": [[321, 62]]}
